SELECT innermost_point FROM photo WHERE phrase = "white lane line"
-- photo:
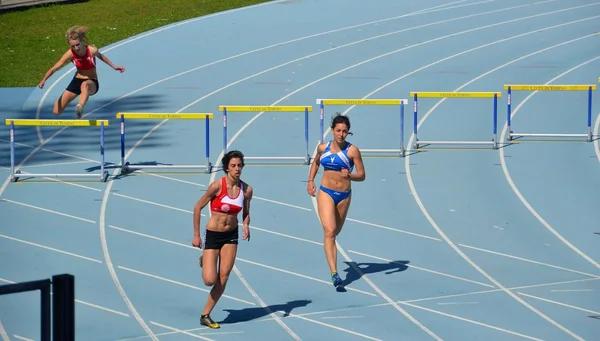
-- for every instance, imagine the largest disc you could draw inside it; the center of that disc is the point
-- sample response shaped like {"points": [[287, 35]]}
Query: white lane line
{"points": [[180, 283], [422, 269], [49, 211], [514, 187], [528, 260], [50, 248], [432, 221], [560, 303], [238, 258]]}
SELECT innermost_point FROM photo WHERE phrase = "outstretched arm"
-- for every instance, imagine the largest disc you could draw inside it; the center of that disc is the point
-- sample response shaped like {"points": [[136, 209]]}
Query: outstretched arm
{"points": [[105, 59], [62, 61]]}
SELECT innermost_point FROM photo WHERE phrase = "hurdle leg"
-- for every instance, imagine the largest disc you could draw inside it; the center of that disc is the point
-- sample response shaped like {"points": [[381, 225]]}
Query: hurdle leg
{"points": [[13, 177], [508, 112], [415, 121], [225, 130], [103, 172], [124, 164], [589, 116], [208, 164], [495, 124], [402, 150], [307, 159], [321, 121]]}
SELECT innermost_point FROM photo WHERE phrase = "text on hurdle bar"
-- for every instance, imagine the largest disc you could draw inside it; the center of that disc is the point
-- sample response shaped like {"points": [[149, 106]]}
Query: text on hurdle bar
{"points": [[56, 123], [268, 108], [557, 87], [362, 101], [170, 116], [450, 94]]}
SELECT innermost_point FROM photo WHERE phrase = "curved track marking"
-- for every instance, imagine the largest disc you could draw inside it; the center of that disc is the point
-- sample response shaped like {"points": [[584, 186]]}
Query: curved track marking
{"points": [[516, 189], [439, 230], [596, 146]]}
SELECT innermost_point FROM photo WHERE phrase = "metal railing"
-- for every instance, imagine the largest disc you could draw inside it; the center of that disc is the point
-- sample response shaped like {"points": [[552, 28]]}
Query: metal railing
{"points": [[57, 299]]}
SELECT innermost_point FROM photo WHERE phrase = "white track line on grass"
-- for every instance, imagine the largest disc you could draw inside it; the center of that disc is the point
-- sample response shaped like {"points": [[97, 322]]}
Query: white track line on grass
{"points": [[514, 187]]}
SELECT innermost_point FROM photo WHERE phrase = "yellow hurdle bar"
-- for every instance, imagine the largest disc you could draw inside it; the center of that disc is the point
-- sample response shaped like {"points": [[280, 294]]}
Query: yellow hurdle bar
{"points": [[322, 102], [456, 94], [452, 94], [125, 165], [13, 122], [549, 87], [268, 108], [534, 87], [165, 116], [56, 123], [362, 101]]}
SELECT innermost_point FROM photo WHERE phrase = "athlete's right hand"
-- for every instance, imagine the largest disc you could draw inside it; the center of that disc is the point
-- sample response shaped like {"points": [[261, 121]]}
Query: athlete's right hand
{"points": [[197, 241], [311, 188], [41, 85]]}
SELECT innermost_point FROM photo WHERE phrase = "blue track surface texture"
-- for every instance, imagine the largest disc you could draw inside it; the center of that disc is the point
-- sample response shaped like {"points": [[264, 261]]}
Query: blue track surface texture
{"points": [[447, 243]]}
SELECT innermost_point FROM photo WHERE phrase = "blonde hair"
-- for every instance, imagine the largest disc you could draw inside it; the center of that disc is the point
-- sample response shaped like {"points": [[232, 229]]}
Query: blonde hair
{"points": [[77, 33]]}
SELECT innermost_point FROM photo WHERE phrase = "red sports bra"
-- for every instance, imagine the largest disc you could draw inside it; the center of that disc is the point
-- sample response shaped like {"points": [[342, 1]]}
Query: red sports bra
{"points": [[86, 62], [224, 204]]}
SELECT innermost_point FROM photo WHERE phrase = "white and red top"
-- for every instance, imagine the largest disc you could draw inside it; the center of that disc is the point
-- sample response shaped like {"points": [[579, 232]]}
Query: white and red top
{"points": [[85, 62], [224, 204]]}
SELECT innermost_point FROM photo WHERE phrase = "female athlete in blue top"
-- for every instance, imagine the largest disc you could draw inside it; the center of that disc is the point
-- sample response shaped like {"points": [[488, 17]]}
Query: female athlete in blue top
{"points": [[338, 158]]}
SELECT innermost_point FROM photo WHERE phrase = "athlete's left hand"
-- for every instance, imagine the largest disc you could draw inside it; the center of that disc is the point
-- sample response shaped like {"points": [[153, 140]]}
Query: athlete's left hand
{"points": [[246, 230], [120, 68], [345, 174]]}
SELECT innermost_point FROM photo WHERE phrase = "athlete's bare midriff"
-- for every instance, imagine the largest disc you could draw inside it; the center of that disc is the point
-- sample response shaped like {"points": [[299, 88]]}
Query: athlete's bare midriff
{"points": [[221, 222], [334, 180]]}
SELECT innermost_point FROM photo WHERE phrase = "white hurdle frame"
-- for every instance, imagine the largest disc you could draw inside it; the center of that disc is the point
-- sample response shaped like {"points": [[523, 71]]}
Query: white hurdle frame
{"points": [[537, 88], [207, 117], [368, 102], [462, 95], [16, 173], [269, 108]]}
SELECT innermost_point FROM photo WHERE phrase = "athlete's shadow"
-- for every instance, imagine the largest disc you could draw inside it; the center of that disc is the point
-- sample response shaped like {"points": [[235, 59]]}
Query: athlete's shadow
{"points": [[353, 275], [249, 314]]}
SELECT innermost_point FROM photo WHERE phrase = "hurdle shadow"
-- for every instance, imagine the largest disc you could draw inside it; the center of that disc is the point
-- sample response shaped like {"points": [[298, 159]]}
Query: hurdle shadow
{"points": [[82, 142], [249, 314], [352, 275]]}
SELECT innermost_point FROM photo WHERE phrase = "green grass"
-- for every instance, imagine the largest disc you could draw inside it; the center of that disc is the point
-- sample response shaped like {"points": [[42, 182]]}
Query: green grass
{"points": [[31, 41]]}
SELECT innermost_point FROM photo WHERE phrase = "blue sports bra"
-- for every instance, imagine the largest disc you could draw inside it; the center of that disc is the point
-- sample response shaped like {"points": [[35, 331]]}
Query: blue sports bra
{"points": [[336, 161]]}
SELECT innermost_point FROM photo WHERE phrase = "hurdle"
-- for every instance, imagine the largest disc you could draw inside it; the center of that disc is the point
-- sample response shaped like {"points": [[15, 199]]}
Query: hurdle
{"points": [[368, 102], [494, 95], [126, 165], [534, 87], [225, 109], [14, 173]]}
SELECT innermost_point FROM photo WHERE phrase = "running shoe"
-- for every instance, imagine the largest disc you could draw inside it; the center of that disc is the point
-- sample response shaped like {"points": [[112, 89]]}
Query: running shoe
{"points": [[205, 320], [78, 111], [335, 278]]}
